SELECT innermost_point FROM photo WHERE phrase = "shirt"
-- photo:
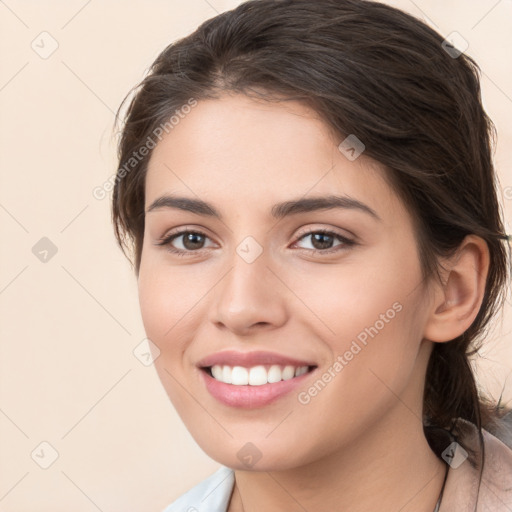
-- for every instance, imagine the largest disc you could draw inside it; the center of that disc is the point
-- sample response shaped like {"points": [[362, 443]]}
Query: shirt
{"points": [[459, 494]]}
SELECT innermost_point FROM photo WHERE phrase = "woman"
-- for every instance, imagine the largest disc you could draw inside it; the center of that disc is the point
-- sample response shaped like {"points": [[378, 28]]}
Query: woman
{"points": [[310, 197]]}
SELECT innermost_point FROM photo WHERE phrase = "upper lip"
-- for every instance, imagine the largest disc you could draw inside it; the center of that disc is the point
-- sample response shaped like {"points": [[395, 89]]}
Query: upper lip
{"points": [[249, 359]]}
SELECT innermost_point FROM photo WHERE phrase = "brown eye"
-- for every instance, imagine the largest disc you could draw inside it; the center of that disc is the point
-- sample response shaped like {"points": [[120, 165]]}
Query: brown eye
{"points": [[184, 241], [325, 241], [193, 241], [321, 240]]}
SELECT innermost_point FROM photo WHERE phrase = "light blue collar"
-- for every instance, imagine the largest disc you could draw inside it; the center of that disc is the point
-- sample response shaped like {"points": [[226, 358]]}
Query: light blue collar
{"points": [[210, 495]]}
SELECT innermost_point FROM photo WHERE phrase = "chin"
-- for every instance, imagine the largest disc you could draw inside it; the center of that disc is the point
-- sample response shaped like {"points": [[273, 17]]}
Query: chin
{"points": [[255, 455]]}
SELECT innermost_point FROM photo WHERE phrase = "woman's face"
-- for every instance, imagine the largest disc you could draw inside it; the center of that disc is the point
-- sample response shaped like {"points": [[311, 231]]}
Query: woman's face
{"points": [[260, 293]]}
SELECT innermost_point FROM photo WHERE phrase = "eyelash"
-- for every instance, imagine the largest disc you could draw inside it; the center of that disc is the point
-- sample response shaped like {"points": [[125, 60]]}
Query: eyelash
{"points": [[346, 242]]}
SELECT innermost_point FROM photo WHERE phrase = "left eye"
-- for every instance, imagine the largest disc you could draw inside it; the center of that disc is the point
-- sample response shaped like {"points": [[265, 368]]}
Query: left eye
{"points": [[323, 240]]}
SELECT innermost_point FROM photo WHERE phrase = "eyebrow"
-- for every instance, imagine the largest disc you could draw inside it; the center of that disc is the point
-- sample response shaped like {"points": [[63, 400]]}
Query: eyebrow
{"points": [[278, 211]]}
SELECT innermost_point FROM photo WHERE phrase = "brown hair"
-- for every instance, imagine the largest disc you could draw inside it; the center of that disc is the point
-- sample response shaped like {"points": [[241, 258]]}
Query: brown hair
{"points": [[370, 70]]}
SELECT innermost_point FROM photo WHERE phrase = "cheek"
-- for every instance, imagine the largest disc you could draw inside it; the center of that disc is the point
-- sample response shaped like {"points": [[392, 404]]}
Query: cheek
{"points": [[373, 314], [167, 294], [156, 305], [367, 288], [166, 304], [164, 299]]}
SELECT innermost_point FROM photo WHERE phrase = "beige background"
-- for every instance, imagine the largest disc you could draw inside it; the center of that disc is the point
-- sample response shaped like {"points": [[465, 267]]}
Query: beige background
{"points": [[69, 326]]}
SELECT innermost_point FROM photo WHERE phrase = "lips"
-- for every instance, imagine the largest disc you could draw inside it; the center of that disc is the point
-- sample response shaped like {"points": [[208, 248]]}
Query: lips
{"points": [[252, 379], [249, 359]]}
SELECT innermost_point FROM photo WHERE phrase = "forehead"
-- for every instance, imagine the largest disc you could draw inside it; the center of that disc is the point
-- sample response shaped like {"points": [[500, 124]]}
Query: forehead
{"points": [[237, 147]]}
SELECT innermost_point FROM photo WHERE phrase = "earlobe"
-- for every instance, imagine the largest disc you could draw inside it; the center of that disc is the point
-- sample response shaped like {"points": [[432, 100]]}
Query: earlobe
{"points": [[458, 298]]}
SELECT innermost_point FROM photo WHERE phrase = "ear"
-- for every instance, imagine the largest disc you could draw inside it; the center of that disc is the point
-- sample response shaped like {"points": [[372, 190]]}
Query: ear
{"points": [[458, 298]]}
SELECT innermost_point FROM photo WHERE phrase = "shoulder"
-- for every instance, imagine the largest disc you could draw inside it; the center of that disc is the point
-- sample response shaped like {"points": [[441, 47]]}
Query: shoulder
{"points": [[497, 473], [464, 491], [210, 495]]}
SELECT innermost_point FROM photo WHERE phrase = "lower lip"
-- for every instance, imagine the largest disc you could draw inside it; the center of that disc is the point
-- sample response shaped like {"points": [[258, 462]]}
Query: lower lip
{"points": [[251, 397]]}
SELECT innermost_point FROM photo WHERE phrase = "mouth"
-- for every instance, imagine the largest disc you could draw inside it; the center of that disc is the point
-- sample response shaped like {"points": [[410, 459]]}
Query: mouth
{"points": [[253, 379], [258, 375]]}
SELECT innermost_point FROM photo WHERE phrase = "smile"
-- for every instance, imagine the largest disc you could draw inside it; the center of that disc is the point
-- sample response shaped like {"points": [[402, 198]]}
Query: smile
{"points": [[255, 375], [252, 379]]}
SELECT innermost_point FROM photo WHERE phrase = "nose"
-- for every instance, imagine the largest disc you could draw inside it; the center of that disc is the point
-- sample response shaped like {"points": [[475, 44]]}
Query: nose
{"points": [[249, 298]]}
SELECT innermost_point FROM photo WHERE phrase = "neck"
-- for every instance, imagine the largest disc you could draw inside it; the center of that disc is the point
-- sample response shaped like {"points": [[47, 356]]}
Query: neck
{"points": [[389, 467]]}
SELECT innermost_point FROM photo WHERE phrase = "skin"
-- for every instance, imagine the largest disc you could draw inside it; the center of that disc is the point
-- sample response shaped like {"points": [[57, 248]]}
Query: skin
{"points": [[358, 444]]}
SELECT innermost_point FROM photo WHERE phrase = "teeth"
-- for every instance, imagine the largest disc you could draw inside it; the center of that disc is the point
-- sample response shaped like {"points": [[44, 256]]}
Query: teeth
{"points": [[288, 372], [217, 372], [239, 376], [226, 374], [256, 375], [274, 374], [301, 371]]}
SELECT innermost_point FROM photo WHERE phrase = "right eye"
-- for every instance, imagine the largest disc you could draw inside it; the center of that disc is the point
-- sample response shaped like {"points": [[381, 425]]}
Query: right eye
{"points": [[191, 241]]}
